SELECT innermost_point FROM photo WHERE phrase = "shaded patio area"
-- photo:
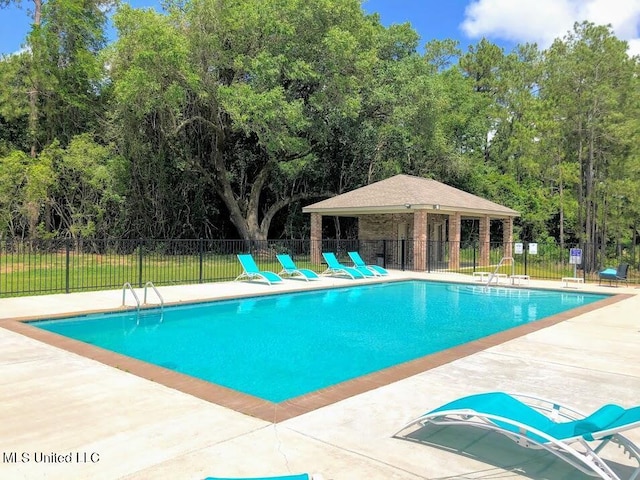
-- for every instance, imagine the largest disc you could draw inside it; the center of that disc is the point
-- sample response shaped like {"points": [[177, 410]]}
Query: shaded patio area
{"points": [[422, 218]]}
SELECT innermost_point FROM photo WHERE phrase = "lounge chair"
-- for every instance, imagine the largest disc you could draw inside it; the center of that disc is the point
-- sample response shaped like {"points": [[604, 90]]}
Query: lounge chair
{"points": [[617, 275], [289, 268], [359, 263], [302, 476], [334, 267], [535, 423], [251, 270]]}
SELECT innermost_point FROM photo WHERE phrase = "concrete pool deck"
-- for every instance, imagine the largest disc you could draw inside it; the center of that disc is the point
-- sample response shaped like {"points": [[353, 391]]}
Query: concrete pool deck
{"points": [[57, 405]]}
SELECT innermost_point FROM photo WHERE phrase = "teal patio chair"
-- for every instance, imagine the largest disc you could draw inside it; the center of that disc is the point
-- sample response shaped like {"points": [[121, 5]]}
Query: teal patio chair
{"points": [[614, 274], [251, 270], [289, 268], [359, 263], [540, 424], [334, 267]]}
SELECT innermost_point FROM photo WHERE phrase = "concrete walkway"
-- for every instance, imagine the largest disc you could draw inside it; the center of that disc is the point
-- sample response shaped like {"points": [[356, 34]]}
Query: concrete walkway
{"points": [[65, 416]]}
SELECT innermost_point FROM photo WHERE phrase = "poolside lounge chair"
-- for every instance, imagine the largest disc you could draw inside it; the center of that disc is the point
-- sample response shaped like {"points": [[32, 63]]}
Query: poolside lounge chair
{"points": [[302, 476], [334, 267], [359, 263], [289, 268], [251, 270], [535, 423], [617, 275]]}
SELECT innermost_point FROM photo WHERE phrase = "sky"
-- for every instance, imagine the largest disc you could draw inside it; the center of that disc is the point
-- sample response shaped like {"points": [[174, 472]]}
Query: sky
{"points": [[504, 22]]}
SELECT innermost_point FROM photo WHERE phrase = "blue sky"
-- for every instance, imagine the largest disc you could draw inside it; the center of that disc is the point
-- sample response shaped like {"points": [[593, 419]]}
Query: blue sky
{"points": [[431, 18], [505, 22]]}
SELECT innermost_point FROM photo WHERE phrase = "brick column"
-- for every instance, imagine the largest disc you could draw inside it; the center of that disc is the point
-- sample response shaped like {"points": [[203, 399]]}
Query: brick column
{"points": [[420, 240], [507, 236], [316, 238], [454, 240], [484, 240]]}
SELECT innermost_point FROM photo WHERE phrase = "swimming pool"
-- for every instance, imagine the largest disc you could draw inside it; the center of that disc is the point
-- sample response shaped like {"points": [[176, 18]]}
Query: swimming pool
{"points": [[279, 347]]}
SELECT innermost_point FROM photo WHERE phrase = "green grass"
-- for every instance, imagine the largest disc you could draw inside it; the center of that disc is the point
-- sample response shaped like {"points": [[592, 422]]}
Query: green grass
{"points": [[36, 273]]}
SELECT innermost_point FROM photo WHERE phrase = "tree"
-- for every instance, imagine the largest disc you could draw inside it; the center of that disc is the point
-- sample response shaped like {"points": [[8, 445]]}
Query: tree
{"points": [[87, 197], [33, 90], [589, 77], [244, 93], [24, 189], [65, 70], [14, 108]]}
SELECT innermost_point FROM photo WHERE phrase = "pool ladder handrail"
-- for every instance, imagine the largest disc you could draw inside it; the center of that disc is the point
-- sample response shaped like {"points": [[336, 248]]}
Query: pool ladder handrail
{"points": [[150, 284], [495, 272], [125, 287], [146, 286]]}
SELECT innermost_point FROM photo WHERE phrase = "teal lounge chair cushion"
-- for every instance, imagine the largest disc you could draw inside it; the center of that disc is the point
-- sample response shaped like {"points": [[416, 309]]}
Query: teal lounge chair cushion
{"points": [[334, 263], [302, 476], [617, 274], [272, 277], [360, 263], [598, 420], [504, 405], [365, 271], [537, 423], [289, 267], [334, 266], [252, 271]]}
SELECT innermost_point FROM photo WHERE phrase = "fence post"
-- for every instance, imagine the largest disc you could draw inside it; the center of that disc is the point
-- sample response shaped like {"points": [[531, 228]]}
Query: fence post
{"points": [[201, 254], [584, 270], [67, 273], [475, 246], [525, 258], [384, 253], [402, 255], [140, 259]]}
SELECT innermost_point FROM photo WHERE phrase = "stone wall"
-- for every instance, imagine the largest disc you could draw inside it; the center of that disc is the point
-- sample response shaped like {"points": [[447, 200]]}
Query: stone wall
{"points": [[384, 227]]}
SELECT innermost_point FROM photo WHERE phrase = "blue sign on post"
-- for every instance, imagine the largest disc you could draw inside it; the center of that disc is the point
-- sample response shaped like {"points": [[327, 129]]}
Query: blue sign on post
{"points": [[575, 256]]}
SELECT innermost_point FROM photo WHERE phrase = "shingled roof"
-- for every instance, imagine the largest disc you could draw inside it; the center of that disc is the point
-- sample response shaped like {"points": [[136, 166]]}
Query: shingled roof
{"points": [[406, 192]]}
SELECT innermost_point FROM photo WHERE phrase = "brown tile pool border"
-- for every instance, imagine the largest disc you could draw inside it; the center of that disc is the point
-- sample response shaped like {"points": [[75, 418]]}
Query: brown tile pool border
{"points": [[277, 412]]}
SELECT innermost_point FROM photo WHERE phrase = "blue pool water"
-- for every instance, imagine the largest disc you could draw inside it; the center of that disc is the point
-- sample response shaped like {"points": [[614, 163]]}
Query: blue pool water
{"points": [[282, 346]]}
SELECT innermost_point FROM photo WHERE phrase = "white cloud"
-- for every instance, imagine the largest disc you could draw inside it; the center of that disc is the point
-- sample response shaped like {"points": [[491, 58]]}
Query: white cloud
{"points": [[26, 49], [634, 46], [542, 21]]}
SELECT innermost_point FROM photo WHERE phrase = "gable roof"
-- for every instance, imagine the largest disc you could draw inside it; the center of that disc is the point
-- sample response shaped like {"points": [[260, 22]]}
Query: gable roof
{"points": [[402, 193]]}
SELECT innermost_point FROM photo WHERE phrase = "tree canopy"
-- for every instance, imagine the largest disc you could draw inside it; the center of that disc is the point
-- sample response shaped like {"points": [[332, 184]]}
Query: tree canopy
{"points": [[220, 119]]}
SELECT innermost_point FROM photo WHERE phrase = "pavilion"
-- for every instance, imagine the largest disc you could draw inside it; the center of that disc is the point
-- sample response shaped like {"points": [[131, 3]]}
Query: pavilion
{"points": [[419, 210]]}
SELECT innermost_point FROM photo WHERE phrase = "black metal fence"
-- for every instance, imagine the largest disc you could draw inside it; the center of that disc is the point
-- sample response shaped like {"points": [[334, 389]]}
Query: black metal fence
{"points": [[55, 266]]}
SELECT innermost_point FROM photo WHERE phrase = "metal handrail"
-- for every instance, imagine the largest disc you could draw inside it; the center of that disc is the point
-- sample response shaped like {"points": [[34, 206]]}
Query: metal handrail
{"points": [[495, 272], [150, 284], [125, 287]]}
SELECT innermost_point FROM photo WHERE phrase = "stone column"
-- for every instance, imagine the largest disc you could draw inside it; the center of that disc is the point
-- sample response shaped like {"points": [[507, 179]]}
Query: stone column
{"points": [[484, 240], [454, 240], [420, 240], [316, 239], [507, 236]]}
